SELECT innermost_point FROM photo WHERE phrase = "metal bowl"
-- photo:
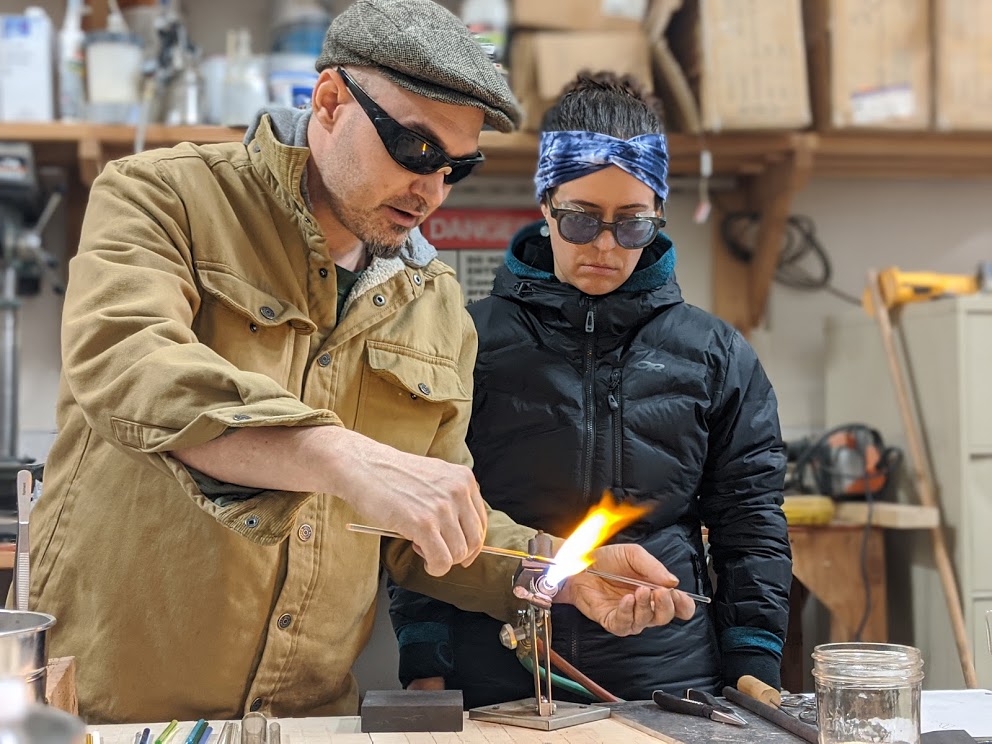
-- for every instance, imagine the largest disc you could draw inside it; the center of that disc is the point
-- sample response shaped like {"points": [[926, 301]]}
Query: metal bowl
{"points": [[24, 649]]}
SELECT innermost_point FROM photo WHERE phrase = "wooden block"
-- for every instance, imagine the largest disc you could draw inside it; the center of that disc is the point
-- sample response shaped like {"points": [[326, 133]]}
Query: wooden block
{"points": [[60, 687], [385, 711], [888, 515]]}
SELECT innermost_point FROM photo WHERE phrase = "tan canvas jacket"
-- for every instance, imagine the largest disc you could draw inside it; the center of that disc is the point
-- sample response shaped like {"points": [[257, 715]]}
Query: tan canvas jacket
{"points": [[203, 299]]}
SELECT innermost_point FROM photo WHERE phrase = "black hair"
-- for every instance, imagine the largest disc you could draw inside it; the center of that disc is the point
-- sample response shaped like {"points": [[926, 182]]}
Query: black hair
{"points": [[606, 103]]}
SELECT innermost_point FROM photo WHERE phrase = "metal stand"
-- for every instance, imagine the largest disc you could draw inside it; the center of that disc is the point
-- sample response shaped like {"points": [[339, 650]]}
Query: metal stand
{"points": [[539, 712], [521, 713]]}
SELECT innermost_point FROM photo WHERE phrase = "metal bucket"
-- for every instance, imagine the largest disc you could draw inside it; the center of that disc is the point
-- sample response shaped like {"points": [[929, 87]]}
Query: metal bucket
{"points": [[24, 649]]}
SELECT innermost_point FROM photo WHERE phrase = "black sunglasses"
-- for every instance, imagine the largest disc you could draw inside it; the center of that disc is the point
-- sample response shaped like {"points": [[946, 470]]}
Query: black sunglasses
{"points": [[415, 153], [582, 228]]}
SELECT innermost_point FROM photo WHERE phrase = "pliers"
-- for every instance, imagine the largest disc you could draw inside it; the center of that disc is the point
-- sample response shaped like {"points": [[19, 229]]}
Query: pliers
{"points": [[698, 703]]}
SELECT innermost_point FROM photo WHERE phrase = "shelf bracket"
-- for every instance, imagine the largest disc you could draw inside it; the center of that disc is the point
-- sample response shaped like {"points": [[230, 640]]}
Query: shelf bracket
{"points": [[91, 159], [741, 290]]}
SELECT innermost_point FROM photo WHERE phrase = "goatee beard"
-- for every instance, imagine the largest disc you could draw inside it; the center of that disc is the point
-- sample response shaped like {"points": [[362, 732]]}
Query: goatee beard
{"points": [[377, 249]]}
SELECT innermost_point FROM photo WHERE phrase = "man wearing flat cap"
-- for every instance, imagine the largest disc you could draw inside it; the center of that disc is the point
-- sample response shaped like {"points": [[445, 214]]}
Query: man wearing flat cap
{"points": [[258, 349]]}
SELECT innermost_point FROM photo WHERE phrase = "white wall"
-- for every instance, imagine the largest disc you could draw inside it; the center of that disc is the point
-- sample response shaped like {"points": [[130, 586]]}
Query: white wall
{"points": [[943, 226]]}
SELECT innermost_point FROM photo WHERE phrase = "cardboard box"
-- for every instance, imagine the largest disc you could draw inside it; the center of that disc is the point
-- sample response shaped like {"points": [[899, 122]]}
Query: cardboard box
{"points": [[963, 44], [744, 62], [542, 63], [579, 15], [869, 63]]}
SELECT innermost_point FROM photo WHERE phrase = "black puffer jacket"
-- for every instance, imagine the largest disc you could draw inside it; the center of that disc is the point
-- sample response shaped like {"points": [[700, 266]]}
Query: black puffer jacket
{"points": [[638, 393]]}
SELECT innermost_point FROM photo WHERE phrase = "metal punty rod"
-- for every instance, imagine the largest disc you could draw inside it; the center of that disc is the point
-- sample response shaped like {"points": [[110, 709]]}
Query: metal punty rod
{"points": [[699, 598]]}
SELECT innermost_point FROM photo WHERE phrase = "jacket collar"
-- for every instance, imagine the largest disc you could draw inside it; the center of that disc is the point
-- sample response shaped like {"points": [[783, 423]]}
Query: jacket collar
{"points": [[527, 277], [286, 163]]}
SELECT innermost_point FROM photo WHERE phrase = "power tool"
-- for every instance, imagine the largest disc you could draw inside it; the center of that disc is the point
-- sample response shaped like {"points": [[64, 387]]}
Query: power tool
{"points": [[899, 288], [849, 462]]}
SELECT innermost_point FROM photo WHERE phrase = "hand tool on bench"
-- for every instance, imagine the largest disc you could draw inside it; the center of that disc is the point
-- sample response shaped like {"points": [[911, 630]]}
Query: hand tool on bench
{"points": [[773, 715], [698, 703]]}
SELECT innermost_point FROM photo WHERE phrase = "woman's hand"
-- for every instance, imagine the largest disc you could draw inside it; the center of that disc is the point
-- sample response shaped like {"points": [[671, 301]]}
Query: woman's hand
{"points": [[614, 605]]}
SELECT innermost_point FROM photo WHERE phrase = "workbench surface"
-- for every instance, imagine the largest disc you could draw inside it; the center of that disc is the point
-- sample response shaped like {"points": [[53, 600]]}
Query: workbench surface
{"points": [[942, 710], [347, 730]]}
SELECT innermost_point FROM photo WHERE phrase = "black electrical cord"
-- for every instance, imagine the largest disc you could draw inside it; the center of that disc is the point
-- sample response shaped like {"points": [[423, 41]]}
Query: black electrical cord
{"points": [[865, 578], [803, 263]]}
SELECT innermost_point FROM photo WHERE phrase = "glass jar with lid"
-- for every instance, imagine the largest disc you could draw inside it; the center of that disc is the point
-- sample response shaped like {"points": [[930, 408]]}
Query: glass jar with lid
{"points": [[868, 692]]}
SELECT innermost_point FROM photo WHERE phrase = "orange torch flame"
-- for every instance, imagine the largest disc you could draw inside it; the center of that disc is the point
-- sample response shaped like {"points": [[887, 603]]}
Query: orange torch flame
{"points": [[604, 521]]}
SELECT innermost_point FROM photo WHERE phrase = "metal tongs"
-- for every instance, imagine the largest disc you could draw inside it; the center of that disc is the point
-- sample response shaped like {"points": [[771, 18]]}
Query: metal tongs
{"points": [[22, 570]]}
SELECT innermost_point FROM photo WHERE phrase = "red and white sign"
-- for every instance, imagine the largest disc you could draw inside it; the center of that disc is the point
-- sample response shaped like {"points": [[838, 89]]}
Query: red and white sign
{"points": [[472, 242], [456, 229]]}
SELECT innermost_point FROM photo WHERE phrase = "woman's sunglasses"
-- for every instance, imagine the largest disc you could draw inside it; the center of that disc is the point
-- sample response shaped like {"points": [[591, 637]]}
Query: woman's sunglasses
{"points": [[415, 153], [582, 228]]}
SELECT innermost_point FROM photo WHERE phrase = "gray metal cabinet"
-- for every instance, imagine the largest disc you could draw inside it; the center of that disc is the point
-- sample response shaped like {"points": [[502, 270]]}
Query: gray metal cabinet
{"points": [[949, 343]]}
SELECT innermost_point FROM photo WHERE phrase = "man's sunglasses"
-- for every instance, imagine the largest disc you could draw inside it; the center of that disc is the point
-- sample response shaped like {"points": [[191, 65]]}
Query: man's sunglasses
{"points": [[415, 153], [582, 228]]}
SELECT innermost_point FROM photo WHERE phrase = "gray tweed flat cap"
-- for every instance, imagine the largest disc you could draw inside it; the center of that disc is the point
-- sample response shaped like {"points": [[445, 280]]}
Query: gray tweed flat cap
{"points": [[424, 48]]}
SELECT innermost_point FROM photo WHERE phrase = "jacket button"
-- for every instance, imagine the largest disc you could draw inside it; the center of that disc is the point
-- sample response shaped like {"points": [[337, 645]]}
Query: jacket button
{"points": [[305, 532], [324, 359], [267, 312], [253, 328], [323, 272], [424, 389], [417, 280], [284, 621], [256, 705], [379, 300], [251, 522]]}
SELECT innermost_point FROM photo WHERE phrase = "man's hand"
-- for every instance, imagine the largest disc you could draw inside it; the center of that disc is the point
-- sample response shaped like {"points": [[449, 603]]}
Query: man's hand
{"points": [[618, 608], [433, 503], [427, 683]]}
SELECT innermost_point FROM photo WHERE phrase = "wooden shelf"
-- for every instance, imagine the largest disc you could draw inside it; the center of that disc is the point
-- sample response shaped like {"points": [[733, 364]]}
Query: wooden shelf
{"points": [[903, 155], [770, 167], [842, 154]]}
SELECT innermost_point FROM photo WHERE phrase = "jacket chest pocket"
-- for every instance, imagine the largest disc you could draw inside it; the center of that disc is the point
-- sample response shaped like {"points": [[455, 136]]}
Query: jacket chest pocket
{"points": [[405, 395], [252, 329]]}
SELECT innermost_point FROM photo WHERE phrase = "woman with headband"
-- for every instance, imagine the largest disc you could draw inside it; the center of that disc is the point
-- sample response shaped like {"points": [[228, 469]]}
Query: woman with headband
{"points": [[594, 375]]}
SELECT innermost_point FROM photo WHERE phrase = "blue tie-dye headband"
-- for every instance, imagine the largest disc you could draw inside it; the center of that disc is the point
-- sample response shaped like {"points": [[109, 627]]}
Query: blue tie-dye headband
{"points": [[565, 156]]}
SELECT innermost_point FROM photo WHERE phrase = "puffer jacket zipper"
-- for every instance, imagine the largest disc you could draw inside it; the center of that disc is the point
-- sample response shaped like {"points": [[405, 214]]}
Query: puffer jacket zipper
{"points": [[613, 400], [589, 375], [697, 570]]}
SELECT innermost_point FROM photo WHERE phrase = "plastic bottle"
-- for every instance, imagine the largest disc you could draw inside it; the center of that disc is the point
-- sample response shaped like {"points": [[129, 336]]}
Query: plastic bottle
{"points": [[115, 19], [488, 21], [245, 86], [72, 96], [300, 27]]}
